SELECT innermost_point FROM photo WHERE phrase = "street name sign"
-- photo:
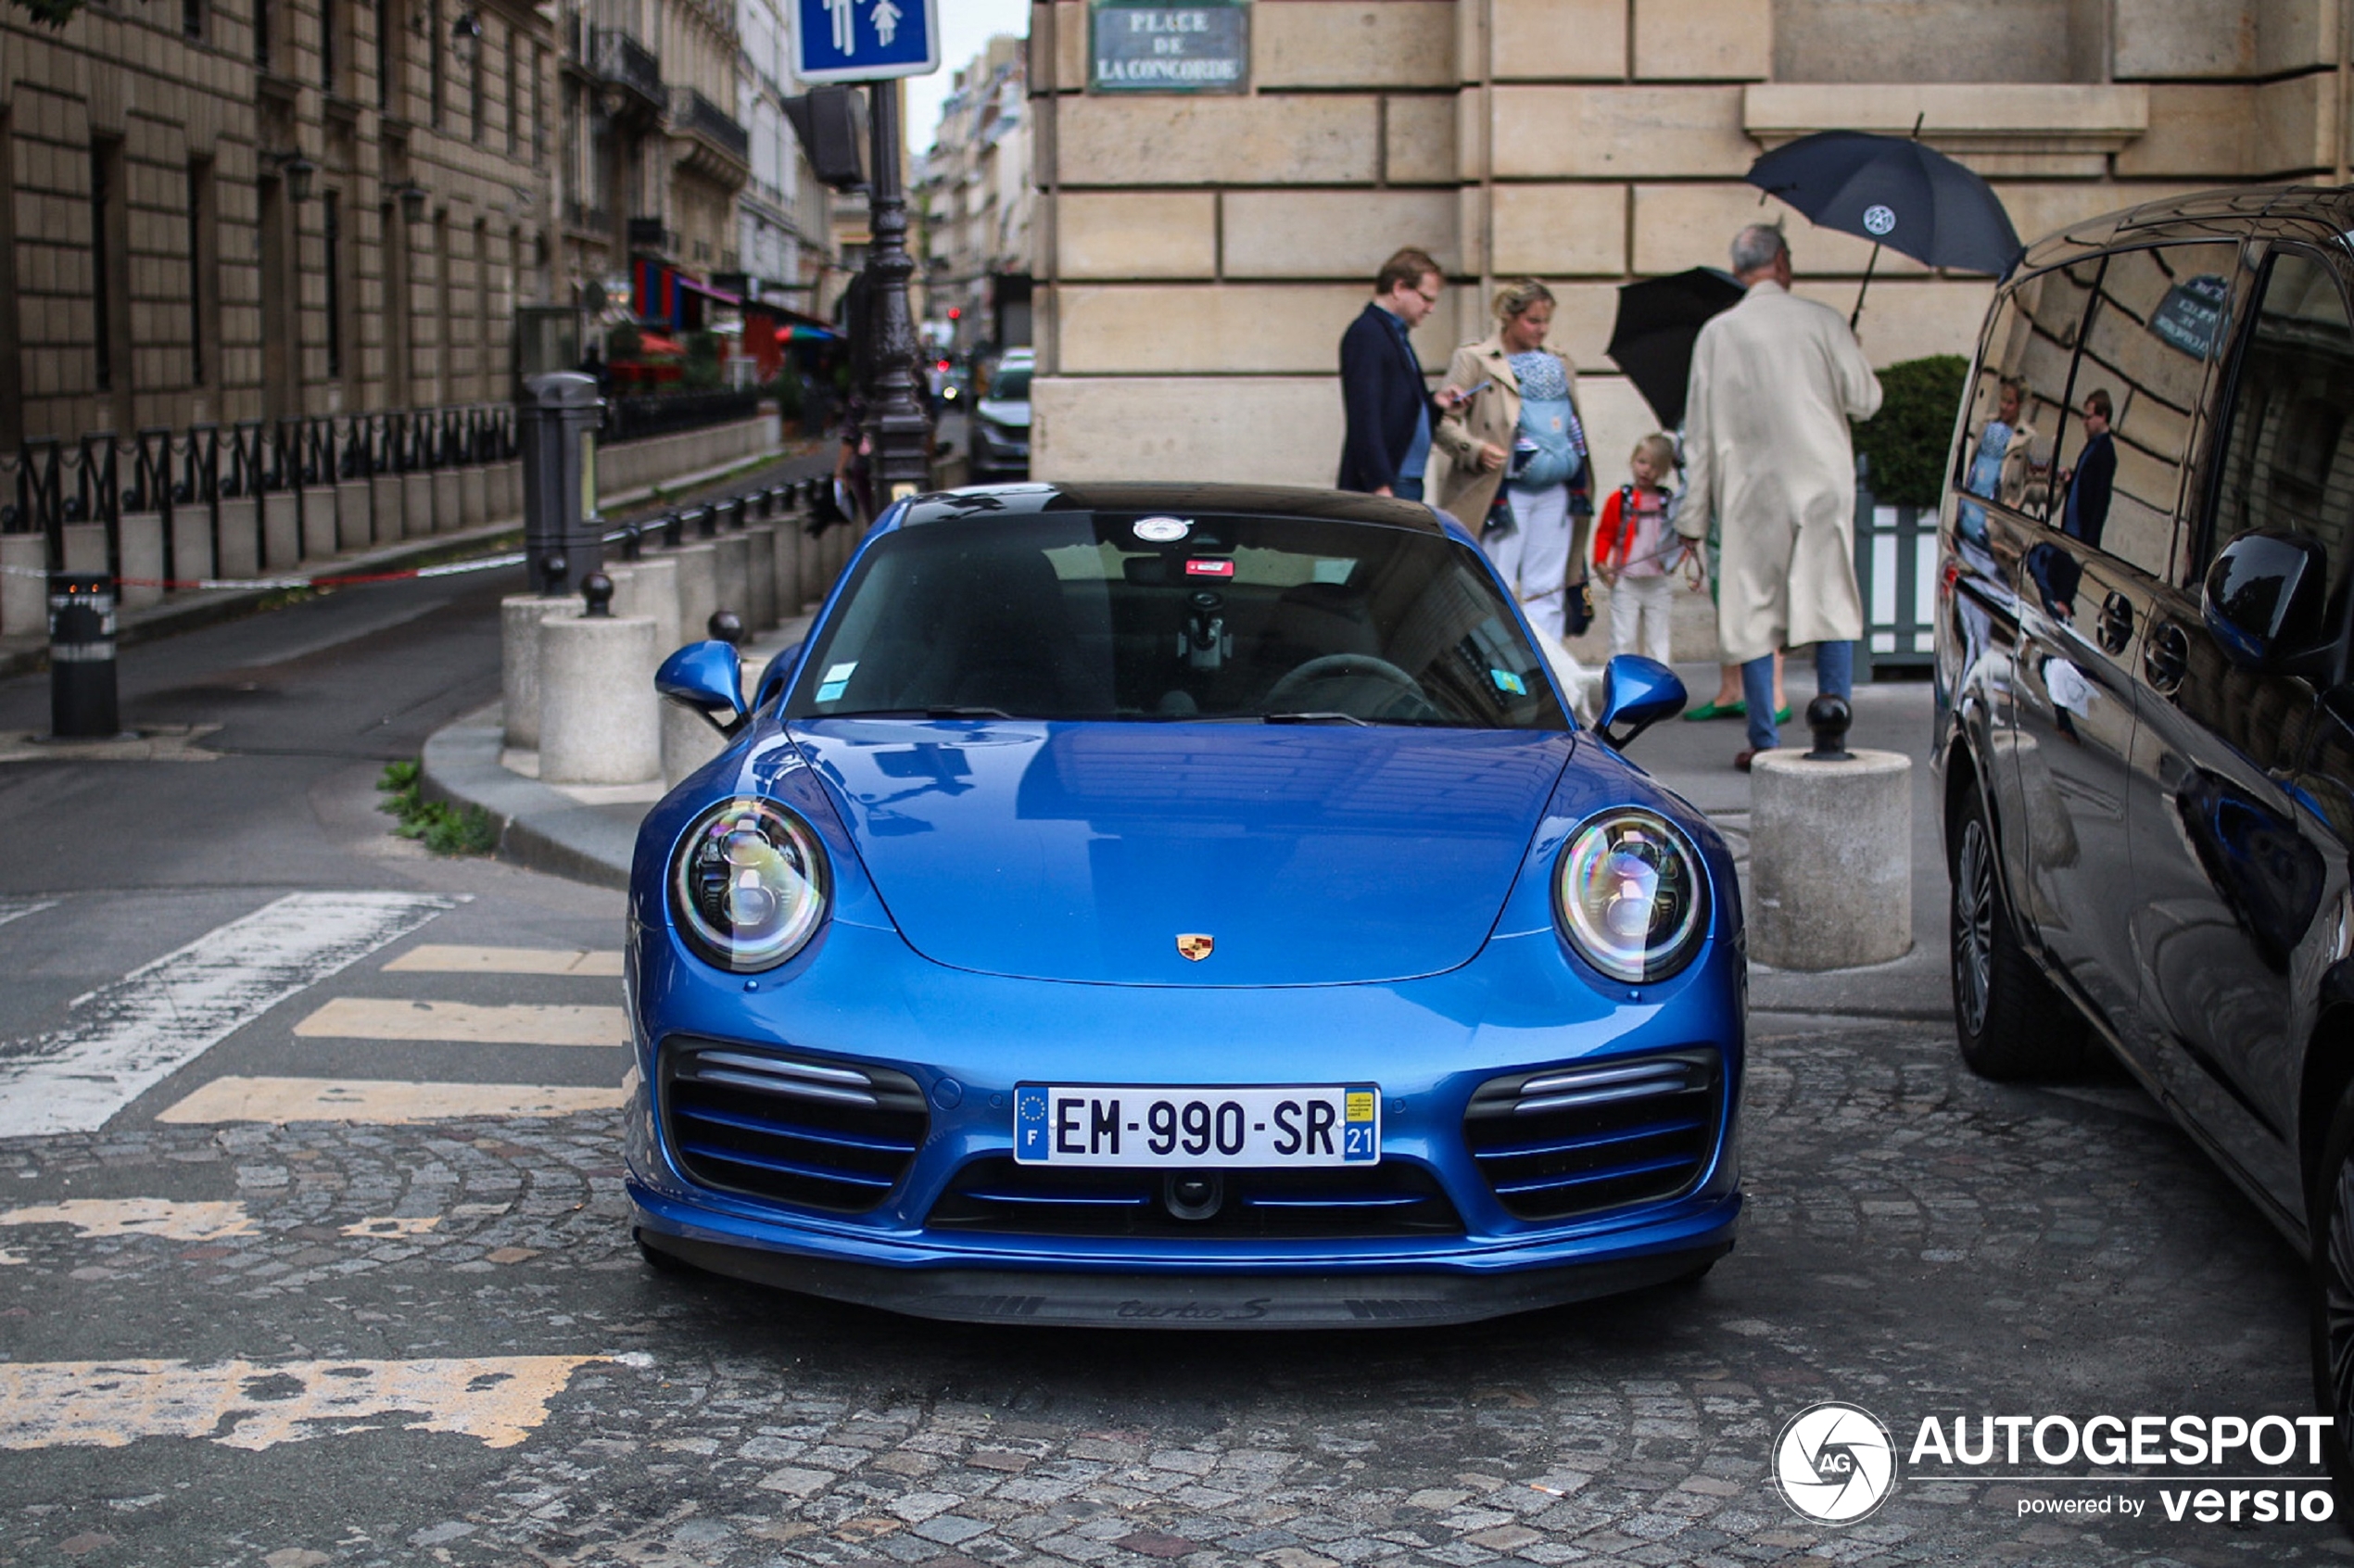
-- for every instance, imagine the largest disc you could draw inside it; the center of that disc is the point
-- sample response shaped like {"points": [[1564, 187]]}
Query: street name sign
{"points": [[1141, 46], [864, 39]]}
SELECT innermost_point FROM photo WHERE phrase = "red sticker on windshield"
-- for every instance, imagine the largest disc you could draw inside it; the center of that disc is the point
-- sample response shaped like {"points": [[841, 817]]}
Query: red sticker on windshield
{"points": [[1209, 568]]}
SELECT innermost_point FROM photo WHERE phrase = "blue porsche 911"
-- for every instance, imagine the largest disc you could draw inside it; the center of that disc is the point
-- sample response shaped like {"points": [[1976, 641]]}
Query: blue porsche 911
{"points": [[1189, 905]]}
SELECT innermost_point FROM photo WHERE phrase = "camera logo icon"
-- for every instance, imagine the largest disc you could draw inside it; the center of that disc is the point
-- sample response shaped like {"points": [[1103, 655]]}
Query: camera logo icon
{"points": [[1835, 1463]]}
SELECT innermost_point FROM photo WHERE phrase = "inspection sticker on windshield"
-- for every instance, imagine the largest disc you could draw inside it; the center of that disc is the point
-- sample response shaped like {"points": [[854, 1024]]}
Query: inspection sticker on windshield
{"points": [[1156, 1126], [837, 680], [1162, 530], [1507, 681]]}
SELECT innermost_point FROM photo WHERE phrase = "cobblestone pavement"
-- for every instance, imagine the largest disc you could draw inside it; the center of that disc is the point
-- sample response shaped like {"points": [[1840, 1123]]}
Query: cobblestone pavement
{"points": [[1917, 1242]]}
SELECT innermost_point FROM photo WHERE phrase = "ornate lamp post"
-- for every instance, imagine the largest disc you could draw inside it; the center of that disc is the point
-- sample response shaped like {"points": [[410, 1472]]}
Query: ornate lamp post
{"points": [[897, 421]]}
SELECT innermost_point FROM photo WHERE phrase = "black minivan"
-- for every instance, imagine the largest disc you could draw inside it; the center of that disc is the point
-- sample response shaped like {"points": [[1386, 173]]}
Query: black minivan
{"points": [[2145, 733]]}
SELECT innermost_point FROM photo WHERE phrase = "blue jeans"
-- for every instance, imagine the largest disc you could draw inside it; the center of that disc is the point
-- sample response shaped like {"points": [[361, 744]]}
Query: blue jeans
{"points": [[1405, 488], [1834, 676]]}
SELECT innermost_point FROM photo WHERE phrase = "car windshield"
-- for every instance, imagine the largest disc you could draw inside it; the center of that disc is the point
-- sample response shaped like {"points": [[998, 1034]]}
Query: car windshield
{"points": [[1010, 386], [1082, 615]]}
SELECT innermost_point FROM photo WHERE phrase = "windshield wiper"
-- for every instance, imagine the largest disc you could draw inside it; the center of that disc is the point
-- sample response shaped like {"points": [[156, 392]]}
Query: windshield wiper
{"points": [[1323, 717], [941, 709]]}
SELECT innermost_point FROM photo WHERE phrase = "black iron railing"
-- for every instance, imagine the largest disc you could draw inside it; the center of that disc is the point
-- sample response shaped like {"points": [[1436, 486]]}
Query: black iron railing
{"points": [[689, 110], [615, 54]]}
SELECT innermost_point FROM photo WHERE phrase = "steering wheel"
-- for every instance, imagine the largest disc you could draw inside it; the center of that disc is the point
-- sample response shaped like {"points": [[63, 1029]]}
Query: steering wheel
{"points": [[1284, 696]]}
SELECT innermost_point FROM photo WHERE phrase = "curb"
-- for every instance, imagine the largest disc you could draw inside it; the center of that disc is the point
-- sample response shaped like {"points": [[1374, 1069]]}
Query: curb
{"points": [[540, 828]]}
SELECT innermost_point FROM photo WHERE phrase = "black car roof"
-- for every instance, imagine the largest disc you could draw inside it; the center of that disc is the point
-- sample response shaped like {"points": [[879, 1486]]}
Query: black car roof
{"points": [[1262, 501], [2320, 213]]}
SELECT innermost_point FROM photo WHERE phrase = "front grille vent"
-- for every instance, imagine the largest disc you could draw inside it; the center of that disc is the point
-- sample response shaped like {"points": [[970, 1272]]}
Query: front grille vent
{"points": [[801, 1130], [1392, 1199], [1568, 1142]]}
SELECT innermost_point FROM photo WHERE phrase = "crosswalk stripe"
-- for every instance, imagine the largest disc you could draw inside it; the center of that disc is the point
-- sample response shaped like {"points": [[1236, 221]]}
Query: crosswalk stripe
{"points": [[432, 958], [207, 1220], [124, 1037], [256, 1405], [509, 1023], [17, 908], [383, 1102]]}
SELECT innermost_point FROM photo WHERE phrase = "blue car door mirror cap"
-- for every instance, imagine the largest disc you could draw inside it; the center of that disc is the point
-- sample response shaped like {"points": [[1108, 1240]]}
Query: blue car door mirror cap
{"points": [[707, 676]]}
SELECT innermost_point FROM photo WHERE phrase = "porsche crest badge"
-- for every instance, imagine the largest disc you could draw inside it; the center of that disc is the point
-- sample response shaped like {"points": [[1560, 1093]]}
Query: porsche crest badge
{"points": [[1196, 945]]}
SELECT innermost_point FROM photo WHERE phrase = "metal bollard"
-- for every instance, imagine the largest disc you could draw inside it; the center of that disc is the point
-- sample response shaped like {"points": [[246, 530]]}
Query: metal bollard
{"points": [[633, 542], [596, 589], [706, 523], [727, 627], [674, 529], [82, 667]]}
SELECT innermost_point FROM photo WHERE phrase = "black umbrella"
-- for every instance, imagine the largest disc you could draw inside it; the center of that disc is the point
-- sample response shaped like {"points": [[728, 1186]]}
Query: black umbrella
{"points": [[1651, 340], [1895, 192]]}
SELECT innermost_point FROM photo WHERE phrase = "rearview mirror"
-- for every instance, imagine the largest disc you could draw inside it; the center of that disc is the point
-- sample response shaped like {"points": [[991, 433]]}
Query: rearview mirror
{"points": [[1637, 693], [2265, 603], [709, 678]]}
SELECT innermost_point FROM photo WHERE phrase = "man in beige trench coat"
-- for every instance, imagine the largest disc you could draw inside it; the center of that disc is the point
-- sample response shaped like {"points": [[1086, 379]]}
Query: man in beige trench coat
{"points": [[1767, 453]]}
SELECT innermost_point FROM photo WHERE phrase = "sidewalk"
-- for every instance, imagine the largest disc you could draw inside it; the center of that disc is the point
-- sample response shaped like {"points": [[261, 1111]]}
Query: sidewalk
{"points": [[189, 609], [589, 833]]}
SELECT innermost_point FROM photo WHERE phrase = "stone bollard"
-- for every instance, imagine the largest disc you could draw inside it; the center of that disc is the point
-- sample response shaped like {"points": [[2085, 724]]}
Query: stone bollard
{"points": [[760, 581], [142, 535], [788, 586], [698, 587], [1831, 861], [598, 723], [520, 615], [651, 591], [731, 573]]}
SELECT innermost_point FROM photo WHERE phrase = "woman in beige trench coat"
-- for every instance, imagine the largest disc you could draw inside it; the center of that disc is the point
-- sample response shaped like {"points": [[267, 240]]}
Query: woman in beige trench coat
{"points": [[1472, 444]]}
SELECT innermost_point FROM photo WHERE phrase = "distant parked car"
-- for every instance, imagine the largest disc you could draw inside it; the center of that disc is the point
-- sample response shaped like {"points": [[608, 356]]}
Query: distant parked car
{"points": [[1000, 437]]}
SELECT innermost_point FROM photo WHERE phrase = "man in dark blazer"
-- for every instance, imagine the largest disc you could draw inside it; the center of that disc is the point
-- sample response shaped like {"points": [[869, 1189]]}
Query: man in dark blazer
{"points": [[1389, 405]]}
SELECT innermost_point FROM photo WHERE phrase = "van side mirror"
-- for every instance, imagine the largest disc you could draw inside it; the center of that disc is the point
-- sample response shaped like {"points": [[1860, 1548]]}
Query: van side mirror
{"points": [[2266, 603], [709, 678], [1637, 693]]}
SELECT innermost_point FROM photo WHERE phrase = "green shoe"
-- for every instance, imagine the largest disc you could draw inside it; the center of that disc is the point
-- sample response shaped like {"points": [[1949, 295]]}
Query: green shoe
{"points": [[1782, 717], [1736, 709]]}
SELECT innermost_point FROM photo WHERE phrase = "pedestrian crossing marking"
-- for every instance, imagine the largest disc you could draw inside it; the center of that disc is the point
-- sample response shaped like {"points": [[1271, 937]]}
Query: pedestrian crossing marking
{"points": [[394, 1225], [256, 1405], [431, 959], [17, 908], [139, 1217], [382, 1102], [510, 1023], [124, 1037]]}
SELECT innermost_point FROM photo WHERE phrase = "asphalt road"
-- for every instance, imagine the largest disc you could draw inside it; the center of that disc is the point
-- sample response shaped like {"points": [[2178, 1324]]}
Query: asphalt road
{"points": [[313, 1250]]}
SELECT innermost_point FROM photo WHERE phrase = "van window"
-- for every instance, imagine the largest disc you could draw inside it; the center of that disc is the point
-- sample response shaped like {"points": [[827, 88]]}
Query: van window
{"points": [[2287, 462], [2155, 328], [2031, 341]]}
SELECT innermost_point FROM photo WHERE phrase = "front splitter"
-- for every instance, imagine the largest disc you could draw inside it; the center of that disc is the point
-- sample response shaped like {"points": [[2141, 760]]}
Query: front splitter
{"points": [[1189, 1301]]}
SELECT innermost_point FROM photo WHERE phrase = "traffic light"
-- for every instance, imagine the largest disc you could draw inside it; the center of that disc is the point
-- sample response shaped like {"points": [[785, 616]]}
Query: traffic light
{"points": [[831, 122]]}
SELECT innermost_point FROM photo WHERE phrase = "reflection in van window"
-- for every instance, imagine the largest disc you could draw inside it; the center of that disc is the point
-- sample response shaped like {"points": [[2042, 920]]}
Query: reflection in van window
{"points": [[2287, 462], [2031, 344], [2148, 346]]}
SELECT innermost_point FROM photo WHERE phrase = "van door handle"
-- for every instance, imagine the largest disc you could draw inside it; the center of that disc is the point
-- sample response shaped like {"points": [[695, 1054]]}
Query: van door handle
{"points": [[2165, 656], [2116, 627]]}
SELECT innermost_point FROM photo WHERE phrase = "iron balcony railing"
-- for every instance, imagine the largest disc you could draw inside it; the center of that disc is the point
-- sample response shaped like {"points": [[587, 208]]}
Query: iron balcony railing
{"points": [[616, 56], [689, 110]]}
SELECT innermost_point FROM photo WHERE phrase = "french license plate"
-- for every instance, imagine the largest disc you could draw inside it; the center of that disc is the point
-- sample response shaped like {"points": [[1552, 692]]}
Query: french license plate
{"points": [[1158, 1125]]}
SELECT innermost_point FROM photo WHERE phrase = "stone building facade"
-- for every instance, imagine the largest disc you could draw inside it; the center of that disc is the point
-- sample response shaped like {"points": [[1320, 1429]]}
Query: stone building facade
{"points": [[972, 191], [226, 209], [1197, 256]]}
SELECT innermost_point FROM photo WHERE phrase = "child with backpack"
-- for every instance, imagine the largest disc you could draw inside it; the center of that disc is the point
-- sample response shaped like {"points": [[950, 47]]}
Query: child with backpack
{"points": [[1637, 550]]}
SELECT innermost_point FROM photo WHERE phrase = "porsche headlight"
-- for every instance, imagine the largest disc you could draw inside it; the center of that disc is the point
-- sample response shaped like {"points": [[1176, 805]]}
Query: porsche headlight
{"points": [[1629, 893], [747, 884]]}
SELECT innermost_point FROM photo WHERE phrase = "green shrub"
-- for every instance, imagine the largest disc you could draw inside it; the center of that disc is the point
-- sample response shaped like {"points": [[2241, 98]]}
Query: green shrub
{"points": [[702, 361], [440, 827], [1906, 441], [623, 341], [786, 389]]}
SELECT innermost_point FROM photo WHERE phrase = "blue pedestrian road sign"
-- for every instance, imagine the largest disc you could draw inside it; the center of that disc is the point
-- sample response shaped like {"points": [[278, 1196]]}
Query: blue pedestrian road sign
{"points": [[866, 40]]}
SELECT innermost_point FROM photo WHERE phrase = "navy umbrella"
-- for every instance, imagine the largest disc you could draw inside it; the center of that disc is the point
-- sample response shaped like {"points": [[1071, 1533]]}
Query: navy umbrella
{"points": [[1895, 192], [1658, 320]]}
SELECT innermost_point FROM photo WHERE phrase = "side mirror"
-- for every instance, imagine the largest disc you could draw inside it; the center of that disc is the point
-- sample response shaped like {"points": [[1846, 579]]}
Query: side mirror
{"points": [[1637, 693], [709, 678], [2265, 603], [773, 679]]}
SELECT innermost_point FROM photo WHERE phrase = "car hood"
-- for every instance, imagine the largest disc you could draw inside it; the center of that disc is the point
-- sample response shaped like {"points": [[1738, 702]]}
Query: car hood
{"points": [[1013, 416], [1084, 851]]}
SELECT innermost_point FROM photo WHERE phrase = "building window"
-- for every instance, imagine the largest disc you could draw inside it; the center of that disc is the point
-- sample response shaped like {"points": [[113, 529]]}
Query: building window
{"points": [[261, 20], [333, 217], [192, 17], [204, 276], [386, 34], [479, 98], [327, 44], [12, 322], [539, 119], [515, 90], [102, 196], [398, 380], [433, 53]]}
